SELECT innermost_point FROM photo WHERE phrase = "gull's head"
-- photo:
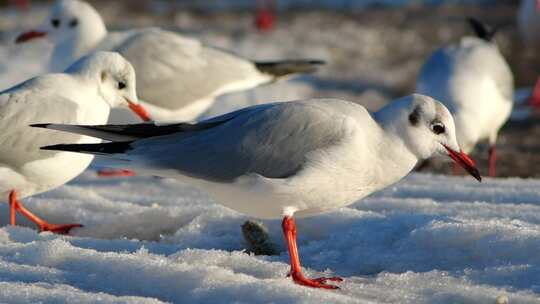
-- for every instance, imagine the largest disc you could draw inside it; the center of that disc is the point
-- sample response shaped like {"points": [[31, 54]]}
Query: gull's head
{"points": [[427, 128], [114, 77], [67, 20]]}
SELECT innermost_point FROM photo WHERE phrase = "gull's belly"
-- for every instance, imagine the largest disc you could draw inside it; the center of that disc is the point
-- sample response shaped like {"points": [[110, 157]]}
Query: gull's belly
{"points": [[46, 174], [41, 175], [266, 198], [482, 118]]}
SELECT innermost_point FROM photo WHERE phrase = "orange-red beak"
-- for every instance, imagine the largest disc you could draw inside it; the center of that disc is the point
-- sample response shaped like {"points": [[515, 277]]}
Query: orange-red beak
{"points": [[27, 36], [139, 110], [464, 161]]}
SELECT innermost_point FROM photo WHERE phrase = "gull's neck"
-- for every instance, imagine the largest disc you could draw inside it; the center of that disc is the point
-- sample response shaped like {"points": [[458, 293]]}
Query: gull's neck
{"points": [[394, 153], [69, 50], [395, 156]]}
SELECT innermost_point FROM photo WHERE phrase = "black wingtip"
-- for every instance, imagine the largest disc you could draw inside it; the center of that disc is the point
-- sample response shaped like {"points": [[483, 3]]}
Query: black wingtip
{"points": [[289, 67], [53, 147], [317, 62], [481, 29], [42, 125], [102, 149]]}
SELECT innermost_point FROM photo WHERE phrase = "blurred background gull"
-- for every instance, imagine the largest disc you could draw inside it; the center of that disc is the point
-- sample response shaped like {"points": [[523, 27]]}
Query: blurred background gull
{"points": [[373, 49]]}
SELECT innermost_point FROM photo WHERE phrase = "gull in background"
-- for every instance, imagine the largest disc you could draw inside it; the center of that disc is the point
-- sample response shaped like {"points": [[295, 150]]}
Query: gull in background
{"points": [[528, 21], [84, 94], [273, 161], [473, 80], [178, 77]]}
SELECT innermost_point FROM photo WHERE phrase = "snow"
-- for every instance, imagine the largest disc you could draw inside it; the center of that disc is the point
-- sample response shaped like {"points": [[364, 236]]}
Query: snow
{"points": [[427, 239]]}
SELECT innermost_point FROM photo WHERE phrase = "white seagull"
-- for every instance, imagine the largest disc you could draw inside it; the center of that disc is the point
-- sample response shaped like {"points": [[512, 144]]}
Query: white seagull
{"points": [[282, 159], [177, 76], [475, 83], [83, 94]]}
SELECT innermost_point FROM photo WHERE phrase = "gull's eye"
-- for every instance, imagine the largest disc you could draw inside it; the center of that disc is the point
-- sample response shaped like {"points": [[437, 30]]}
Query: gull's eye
{"points": [[55, 23], [73, 22], [121, 85], [437, 128]]}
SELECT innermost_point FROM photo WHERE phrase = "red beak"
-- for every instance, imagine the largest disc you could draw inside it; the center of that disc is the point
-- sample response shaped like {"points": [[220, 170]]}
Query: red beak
{"points": [[464, 161], [139, 110], [27, 36]]}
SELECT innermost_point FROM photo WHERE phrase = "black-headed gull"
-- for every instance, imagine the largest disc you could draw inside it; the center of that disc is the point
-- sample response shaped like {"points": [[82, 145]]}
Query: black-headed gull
{"points": [[528, 21], [84, 94], [529, 28], [282, 159], [474, 81], [177, 76]]}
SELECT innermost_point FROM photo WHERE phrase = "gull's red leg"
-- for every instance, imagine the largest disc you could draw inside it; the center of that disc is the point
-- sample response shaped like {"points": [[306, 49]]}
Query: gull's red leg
{"points": [[491, 160], [534, 99], [264, 16], [42, 225], [12, 207], [115, 173], [289, 231]]}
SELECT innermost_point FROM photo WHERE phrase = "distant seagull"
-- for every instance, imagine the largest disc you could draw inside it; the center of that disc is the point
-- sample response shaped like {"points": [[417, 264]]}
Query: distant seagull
{"points": [[529, 29], [177, 76], [84, 94], [474, 81], [282, 159], [528, 21]]}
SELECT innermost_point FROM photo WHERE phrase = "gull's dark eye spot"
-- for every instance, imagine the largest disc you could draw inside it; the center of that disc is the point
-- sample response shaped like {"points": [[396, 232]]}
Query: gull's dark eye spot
{"points": [[121, 85], [414, 117], [73, 23], [437, 128], [55, 23]]}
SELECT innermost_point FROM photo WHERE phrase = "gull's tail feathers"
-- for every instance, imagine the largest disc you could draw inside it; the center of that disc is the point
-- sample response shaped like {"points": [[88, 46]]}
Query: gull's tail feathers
{"points": [[279, 69]]}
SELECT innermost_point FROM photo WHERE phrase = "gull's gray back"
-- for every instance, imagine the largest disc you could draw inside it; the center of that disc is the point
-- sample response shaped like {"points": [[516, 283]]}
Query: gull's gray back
{"points": [[19, 143], [272, 140], [174, 71]]}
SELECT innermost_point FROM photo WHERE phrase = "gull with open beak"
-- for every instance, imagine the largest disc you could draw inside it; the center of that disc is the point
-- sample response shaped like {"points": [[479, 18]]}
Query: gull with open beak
{"points": [[279, 160], [84, 94]]}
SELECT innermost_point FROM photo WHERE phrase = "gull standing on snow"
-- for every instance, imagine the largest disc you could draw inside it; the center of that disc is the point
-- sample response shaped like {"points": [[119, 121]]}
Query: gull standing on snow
{"points": [[83, 94], [282, 159], [178, 77], [474, 81]]}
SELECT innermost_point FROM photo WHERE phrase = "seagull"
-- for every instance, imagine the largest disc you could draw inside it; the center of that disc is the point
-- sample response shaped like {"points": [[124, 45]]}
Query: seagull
{"points": [[529, 29], [178, 77], [276, 160], [83, 94], [528, 21], [473, 80]]}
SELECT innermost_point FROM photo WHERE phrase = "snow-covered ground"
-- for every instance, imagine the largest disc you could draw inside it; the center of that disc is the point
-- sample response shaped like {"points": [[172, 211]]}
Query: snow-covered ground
{"points": [[428, 239]]}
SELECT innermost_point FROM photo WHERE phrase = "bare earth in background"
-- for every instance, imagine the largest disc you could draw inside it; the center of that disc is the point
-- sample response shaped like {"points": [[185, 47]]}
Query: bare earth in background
{"points": [[427, 239], [373, 55], [375, 50]]}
